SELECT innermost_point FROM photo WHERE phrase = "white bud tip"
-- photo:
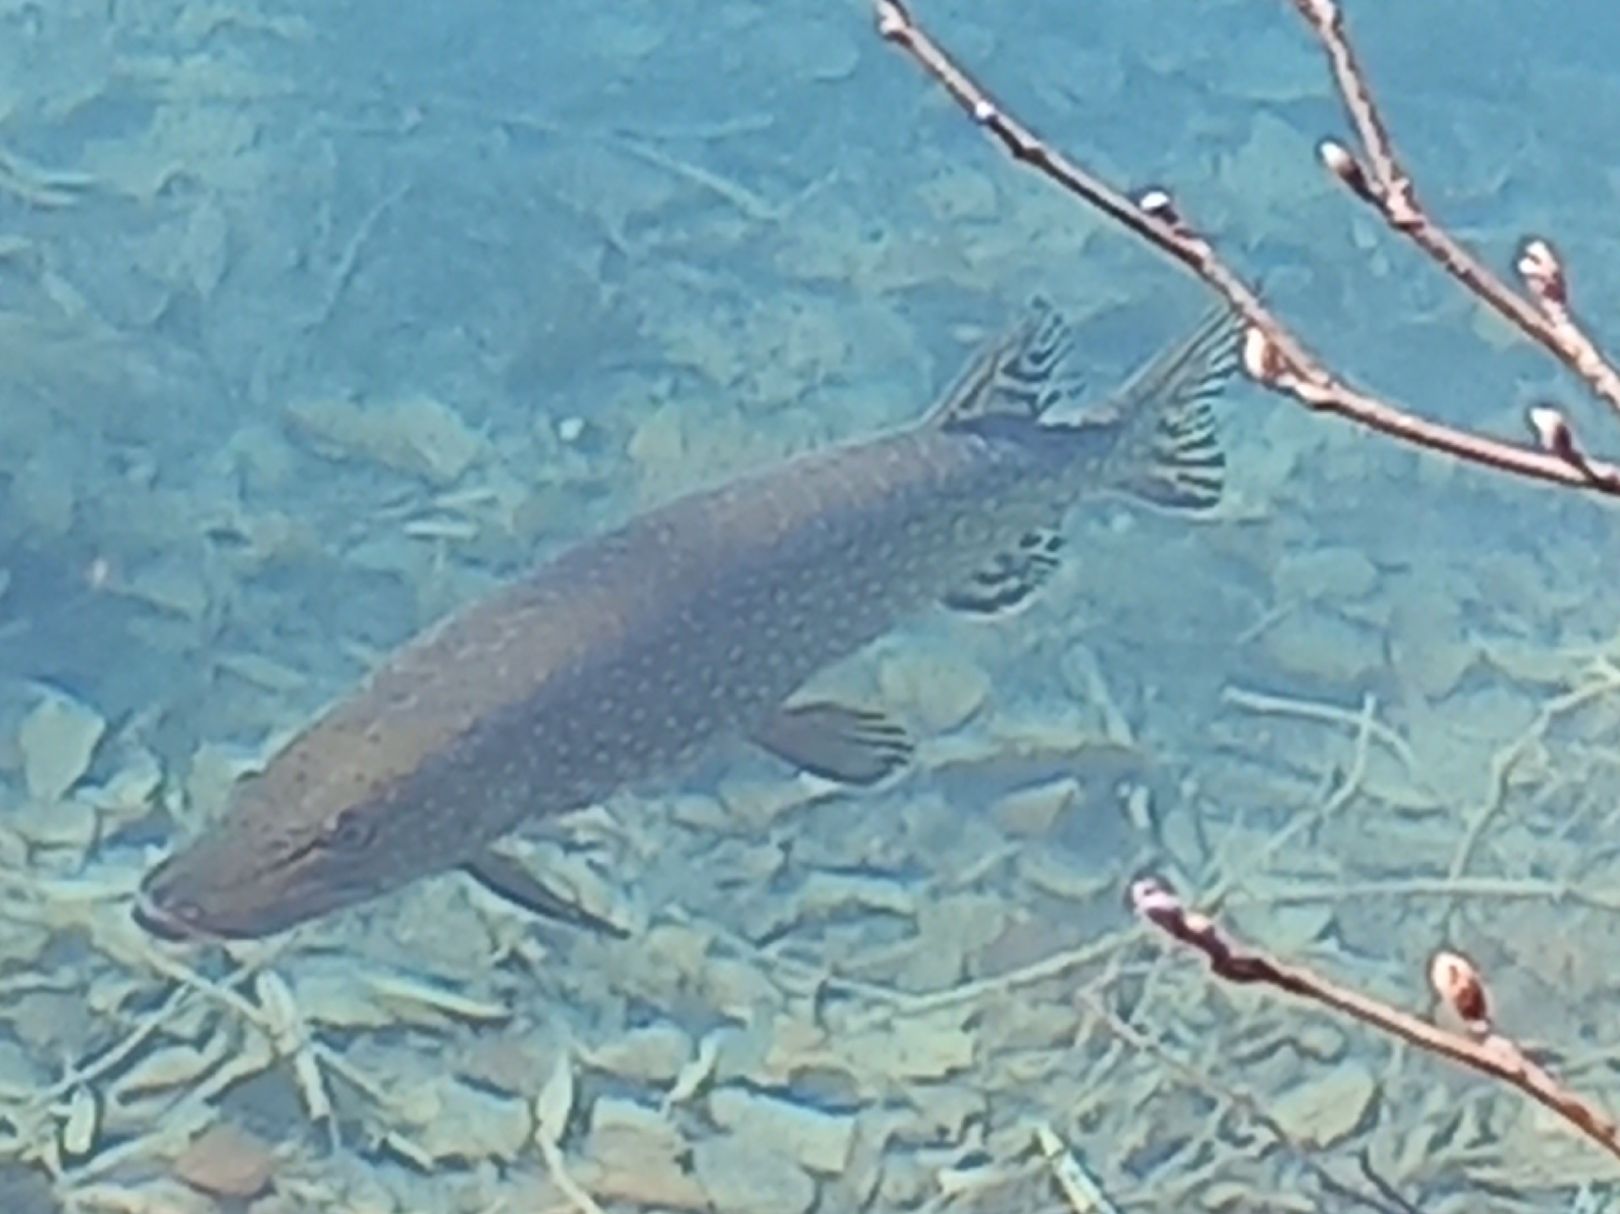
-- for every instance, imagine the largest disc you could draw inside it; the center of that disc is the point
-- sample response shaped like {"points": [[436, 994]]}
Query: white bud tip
{"points": [[1335, 156], [1543, 273], [1259, 356], [1459, 986], [1149, 896], [1551, 430], [1157, 202]]}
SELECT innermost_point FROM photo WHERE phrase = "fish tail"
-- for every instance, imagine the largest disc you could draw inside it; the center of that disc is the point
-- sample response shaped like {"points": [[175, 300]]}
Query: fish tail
{"points": [[1158, 428], [1168, 453]]}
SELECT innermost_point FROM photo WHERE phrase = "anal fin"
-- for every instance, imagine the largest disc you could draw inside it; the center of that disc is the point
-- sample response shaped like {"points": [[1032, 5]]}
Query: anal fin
{"points": [[512, 881], [1011, 579], [836, 741]]}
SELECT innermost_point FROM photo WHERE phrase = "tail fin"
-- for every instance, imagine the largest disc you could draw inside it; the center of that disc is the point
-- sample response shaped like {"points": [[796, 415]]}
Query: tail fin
{"points": [[1169, 454]]}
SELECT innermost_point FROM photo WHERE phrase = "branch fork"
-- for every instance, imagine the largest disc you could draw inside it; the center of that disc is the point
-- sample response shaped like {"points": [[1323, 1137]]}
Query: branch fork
{"points": [[1274, 356]]}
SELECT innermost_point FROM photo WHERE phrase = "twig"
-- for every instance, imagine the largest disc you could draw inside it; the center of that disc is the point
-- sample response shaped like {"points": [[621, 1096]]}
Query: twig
{"points": [[1332, 802], [1604, 681], [1480, 1048], [1541, 311], [1353, 779], [1082, 1190], [1222, 1097], [1312, 710], [36, 186], [1273, 356], [1450, 889], [348, 262], [749, 204], [1054, 966], [557, 1168]]}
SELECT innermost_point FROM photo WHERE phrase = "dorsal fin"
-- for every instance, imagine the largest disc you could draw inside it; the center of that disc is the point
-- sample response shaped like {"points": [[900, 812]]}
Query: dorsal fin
{"points": [[1020, 374]]}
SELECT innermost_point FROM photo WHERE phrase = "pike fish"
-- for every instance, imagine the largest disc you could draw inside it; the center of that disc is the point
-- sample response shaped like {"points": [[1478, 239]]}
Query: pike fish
{"points": [[625, 656]]}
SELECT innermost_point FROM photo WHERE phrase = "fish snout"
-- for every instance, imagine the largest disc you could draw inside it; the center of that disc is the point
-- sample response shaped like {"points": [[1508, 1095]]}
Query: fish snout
{"points": [[155, 921], [163, 912], [207, 892]]}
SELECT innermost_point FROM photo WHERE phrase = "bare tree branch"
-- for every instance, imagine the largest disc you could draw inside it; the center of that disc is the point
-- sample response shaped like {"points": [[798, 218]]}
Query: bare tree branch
{"points": [[1541, 311], [1479, 1046], [1273, 355]]}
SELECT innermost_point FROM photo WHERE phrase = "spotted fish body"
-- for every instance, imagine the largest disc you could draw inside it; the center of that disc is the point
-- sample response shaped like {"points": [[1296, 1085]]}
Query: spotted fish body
{"points": [[628, 654]]}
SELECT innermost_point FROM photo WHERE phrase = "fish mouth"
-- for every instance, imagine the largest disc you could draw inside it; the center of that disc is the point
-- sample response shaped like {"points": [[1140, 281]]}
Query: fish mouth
{"points": [[171, 924], [177, 928], [167, 914], [171, 905], [155, 921]]}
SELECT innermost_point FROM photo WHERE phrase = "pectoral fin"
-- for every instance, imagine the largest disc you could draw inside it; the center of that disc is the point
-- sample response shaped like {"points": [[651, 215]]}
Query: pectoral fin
{"points": [[511, 881], [1011, 579], [837, 742]]}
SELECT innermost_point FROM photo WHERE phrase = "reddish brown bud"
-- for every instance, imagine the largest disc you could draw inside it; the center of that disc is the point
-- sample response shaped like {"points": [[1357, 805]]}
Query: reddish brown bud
{"points": [[1158, 204], [1553, 432], [1543, 273], [1461, 989], [1262, 361], [892, 21], [1339, 161]]}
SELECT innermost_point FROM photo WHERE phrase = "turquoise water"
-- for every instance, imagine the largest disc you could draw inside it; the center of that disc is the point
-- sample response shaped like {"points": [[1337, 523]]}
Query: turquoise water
{"points": [[317, 322]]}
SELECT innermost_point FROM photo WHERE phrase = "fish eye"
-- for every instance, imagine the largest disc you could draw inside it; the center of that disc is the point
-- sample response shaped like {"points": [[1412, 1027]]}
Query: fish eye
{"points": [[350, 832]]}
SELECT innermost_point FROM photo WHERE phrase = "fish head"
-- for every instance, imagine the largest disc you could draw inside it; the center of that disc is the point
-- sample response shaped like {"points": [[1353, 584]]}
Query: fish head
{"points": [[238, 880], [317, 831]]}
